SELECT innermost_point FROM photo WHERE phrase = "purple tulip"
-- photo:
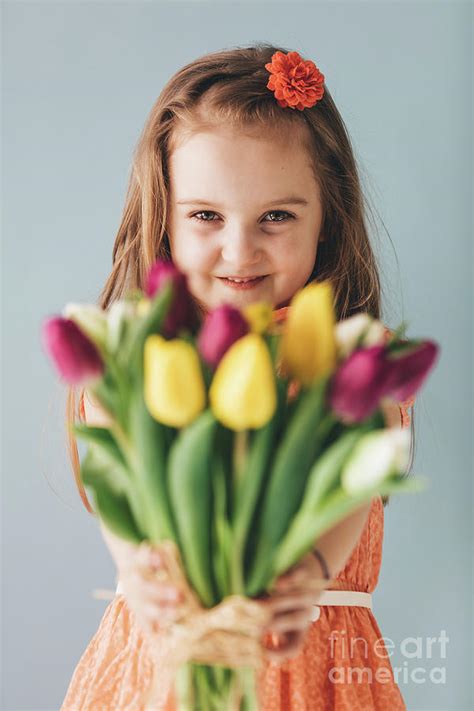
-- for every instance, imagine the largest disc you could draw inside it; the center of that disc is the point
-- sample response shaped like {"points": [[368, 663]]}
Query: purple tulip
{"points": [[222, 327], [409, 369], [358, 384], [182, 312], [75, 355]]}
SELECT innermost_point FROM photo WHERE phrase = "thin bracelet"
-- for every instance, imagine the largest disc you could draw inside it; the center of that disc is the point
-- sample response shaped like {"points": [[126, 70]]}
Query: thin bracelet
{"points": [[323, 563]]}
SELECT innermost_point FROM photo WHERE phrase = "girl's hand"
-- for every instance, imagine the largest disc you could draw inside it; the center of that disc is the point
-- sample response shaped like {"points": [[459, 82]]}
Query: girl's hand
{"points": [[293, 602], [152, 601]]}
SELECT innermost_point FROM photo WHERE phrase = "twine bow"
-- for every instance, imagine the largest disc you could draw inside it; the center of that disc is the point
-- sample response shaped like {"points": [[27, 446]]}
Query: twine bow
{"points": [[229, 634]]}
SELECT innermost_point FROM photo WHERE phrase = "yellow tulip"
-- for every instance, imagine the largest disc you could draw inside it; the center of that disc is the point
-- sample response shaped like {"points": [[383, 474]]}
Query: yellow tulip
{"points": [[243, 391], [258, 315], [174, 389], [308, 343]]}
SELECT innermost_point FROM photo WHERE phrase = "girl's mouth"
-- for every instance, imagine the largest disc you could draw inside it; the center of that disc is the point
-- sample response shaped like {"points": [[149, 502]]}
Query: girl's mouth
{"points": [[247, 284]]}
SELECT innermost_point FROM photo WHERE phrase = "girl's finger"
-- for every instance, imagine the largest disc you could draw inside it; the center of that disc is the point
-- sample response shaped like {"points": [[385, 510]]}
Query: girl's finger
{"points": [[148, 572], [291, 621], [152, 591], [156, 590], [290, 602], [289, 580], [155, 560], [135, 577], [151, 623], [286, 577], [290, 644], [157, 614], [147, 557], [168, 595]]}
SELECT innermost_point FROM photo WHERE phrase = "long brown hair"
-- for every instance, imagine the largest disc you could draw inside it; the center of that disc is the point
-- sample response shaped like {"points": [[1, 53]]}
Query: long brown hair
{"points": [[229, 87]]}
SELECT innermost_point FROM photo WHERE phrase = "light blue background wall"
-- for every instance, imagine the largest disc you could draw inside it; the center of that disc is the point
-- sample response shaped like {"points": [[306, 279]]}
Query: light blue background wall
{"points": [[79, 79]]}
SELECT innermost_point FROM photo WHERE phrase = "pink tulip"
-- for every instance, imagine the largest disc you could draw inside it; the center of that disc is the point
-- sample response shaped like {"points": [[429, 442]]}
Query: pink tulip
{"points": [[408, 370], [182, 312], [358, 384], [75, 355], [222, 327]]}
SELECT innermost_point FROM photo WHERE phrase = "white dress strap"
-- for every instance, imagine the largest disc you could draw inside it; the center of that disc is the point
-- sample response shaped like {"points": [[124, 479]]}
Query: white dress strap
{"points": [[344, 597], [328, 597]]}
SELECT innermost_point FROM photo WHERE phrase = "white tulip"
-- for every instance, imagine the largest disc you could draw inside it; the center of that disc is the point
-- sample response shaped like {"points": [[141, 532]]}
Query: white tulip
{"points": [[360, 330], [375, 334], [402, 442], [117, 316], [377, 455], [90, 318]]}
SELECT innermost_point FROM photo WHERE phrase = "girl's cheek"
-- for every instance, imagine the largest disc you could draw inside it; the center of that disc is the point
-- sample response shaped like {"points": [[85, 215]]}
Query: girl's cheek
{"points": [[198, 251]]}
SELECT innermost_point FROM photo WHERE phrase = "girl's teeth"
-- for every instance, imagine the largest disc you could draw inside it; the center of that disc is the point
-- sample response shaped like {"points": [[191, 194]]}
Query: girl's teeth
{"points": [[244, 282], [239, 281]]}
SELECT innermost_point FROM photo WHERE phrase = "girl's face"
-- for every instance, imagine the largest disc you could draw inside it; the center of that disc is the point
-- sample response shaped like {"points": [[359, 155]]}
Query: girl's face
{"points": [[243, 206]]}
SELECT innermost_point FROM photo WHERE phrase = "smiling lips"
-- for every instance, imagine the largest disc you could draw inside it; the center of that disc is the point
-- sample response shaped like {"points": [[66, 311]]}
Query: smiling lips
{"points": [[237, 283]]}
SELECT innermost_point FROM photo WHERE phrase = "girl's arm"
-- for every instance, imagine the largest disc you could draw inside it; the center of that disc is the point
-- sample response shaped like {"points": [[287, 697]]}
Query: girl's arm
{"points": [[337, 544]]}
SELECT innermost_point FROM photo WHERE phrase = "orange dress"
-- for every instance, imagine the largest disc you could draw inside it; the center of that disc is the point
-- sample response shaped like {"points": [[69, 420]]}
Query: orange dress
{"points": [[343, 666]]}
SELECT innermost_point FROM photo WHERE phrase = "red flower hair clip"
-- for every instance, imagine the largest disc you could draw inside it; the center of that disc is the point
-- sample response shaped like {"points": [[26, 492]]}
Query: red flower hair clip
{"points": [[295, 82]]}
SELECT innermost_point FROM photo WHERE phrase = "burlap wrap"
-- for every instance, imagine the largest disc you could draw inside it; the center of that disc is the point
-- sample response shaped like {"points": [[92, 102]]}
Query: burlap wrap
{"points": [[229, 634]]}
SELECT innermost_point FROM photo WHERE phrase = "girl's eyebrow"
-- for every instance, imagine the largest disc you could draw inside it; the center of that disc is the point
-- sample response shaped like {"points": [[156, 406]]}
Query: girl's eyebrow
{"points": [[290, 200]]}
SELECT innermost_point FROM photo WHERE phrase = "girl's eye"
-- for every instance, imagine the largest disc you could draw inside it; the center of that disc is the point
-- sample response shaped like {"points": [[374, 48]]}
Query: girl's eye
{"points": [[280, 212], [203, 212], [210, 212]]}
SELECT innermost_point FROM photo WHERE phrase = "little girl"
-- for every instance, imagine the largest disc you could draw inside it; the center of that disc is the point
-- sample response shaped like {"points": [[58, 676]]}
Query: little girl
{"points": [[244, 177]]}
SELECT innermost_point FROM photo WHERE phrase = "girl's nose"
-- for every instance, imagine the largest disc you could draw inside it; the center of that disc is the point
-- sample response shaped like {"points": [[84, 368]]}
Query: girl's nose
{"points": [[240, 248]]}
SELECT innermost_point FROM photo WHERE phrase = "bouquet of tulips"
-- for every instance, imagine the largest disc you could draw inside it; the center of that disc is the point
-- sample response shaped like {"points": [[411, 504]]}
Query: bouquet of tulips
{"points": [[233, 444]]}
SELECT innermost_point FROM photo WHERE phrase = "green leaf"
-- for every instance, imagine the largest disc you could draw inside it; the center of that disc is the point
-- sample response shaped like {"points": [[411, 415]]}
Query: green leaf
{"points": [[399, 332], [333, 509], [150, 460], [295, 455], [106, 391], [100, 463], [190, 486], [221, 530], [273, 342], [110, 495], [324, 477], [327, 470], [251, 484], [103, 438], [116, 514]]}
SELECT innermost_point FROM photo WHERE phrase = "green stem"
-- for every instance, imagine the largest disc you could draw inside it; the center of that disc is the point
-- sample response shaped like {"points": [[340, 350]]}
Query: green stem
{"points": [[135, 493], [239, 456], [123, 441]]}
